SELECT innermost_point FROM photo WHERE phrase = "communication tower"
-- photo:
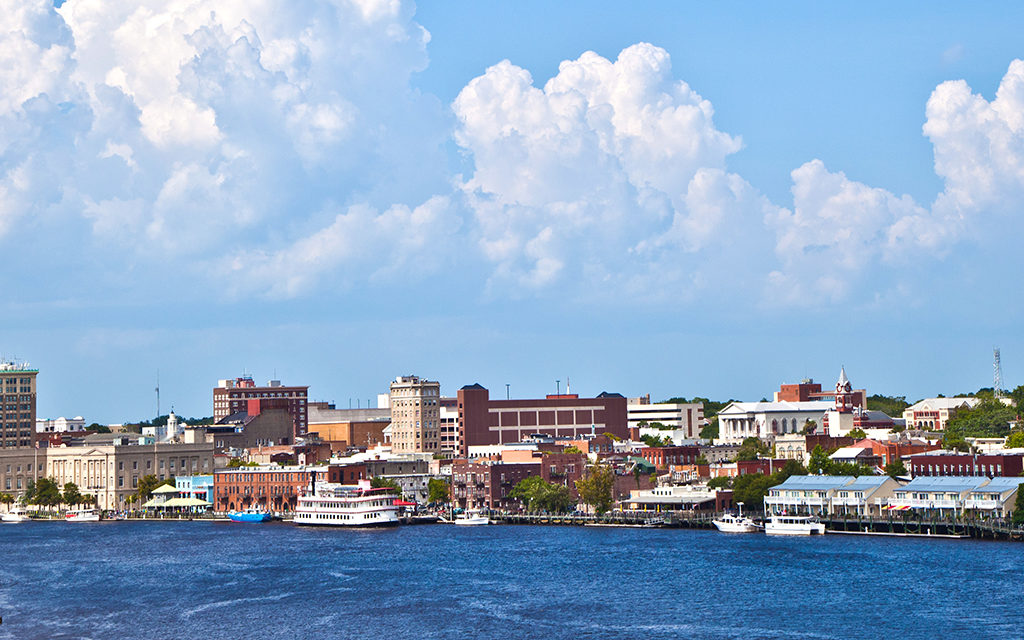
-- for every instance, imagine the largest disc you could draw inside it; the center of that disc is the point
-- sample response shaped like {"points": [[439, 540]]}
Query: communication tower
{"points": [[997, 375]]}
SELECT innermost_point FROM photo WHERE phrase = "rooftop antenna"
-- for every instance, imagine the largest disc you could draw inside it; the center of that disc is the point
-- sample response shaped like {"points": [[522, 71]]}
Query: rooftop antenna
{"points": [[157, 393], [567, 392], [997, 374], [558, 387]]}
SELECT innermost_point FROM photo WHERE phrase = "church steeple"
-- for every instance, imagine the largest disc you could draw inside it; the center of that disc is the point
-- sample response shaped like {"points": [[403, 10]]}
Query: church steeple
{"points": [[844, 393]]}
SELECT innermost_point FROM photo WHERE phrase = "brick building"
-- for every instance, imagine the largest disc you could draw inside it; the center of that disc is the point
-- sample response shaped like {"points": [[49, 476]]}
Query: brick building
{"points": [[241, 395], [17, 405], [415, 415], [951, 463], [487, 484], [483, 421], [662, 457]]}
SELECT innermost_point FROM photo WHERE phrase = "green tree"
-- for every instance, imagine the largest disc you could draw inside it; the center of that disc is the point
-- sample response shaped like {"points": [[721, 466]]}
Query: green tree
{"points": [[990, 418], [819, 461], [30, 492], [536, 494], [47, 493], [954, 441], [857, 434], [720, 482], [385, 483], [1018, 508], [710, 430], [892, 406], [572, 449], [809, 427], [1015, 440], [71, 495], [437, 490], [656, 441], [751, 448], [701, 459], [595, 487], [7, 499], [147, 484], [896, 468]]}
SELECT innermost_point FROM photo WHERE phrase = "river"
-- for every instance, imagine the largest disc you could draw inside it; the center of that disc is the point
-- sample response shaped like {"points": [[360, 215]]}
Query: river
{"points": [[206, 580]]}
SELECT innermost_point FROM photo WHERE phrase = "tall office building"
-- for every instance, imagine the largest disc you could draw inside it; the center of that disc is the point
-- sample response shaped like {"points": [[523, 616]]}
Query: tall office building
{"points": [[17, 405], [415, 415], [241, 395]]}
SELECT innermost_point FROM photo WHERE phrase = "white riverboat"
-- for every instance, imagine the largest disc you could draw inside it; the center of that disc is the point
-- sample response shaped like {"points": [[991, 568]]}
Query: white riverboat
{"points": [[730, 523], [17, 514], [82, 515], [338, 505], [471, 519], [781, 525]]}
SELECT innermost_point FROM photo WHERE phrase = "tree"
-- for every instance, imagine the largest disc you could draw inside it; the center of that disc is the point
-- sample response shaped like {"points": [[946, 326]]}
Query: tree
{"points": [[656, 441], [954, 442], [751, 448], [385, 483], [536, 494], [147, 484], [6, 499], [896, 468], [720, 482], [809, 427], [819, 460], [1015, 440], [710, 430], [30, 492], [701, 459], [572, 449], [47, 493], [1018, 508], [889, 405], [595, 487], [857, 434], [437, 490], [989, 418], [71, 496]]}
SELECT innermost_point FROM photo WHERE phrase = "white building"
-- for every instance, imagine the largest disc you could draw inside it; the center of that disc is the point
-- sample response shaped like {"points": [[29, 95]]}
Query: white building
{"points": [[173, 430], [685, 419], [766, 420], [933, 413], [831, 495], [60, 425]]}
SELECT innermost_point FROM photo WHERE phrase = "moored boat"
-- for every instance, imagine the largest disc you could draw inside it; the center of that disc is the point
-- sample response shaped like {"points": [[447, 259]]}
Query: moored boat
{"points": [[471, 518], [730, 523], [782, 525], [18, 514], [249, 515], [338, 505], [82, 515]]}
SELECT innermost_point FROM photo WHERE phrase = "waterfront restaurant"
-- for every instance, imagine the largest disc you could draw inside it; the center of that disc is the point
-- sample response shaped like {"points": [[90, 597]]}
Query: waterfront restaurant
{"points": [[809, 495], [994, 499], [679, 498], [938, 495]]}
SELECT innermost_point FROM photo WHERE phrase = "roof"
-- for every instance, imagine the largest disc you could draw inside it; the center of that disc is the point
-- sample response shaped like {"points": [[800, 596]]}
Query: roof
{"points": [[475, 385], [845, 453], [781, 406], [936, 404], [814, 483], [165, 488], [1001, 485], [606, 394], [677, 499], [867, 482], [929, 484]]}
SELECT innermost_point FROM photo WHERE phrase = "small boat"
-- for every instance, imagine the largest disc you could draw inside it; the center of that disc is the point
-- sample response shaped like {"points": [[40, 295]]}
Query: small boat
{"points": [[18, 514], [471, 518], [730, 523], [250, 515], [82, 515], [781, 525]]}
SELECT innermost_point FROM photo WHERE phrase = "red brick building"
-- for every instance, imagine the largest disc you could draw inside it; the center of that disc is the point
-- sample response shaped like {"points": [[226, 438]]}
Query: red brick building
{"points": [[890, 451], [662, 457], [271, 488], [241, 395], [483, 421], [949, 463], [487, 484]]}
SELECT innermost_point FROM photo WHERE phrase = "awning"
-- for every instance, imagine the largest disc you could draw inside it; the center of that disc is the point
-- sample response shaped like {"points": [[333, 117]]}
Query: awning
{"points": [[176, 502], [404, 503]]}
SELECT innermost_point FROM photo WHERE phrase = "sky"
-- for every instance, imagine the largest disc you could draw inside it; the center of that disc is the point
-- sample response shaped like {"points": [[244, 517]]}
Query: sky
{"points": [[678, 199]]}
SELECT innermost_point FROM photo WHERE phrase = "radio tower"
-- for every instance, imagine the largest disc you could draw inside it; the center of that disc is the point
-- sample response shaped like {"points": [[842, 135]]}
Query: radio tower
{"points": [[997, 375]]}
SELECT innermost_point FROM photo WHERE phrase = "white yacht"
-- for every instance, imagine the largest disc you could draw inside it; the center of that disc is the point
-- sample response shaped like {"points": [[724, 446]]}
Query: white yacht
{"points": [[82, 515], [781, 525], [471, 518], [17, 514], [339, 505], [730, 523]]}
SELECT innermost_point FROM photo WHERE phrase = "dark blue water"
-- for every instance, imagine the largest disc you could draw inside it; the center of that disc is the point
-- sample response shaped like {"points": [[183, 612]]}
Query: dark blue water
{"points": [[217, 580]]}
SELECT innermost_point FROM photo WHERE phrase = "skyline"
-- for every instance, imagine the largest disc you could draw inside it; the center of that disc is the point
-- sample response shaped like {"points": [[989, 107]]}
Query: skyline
{"points": [[667, 199]]}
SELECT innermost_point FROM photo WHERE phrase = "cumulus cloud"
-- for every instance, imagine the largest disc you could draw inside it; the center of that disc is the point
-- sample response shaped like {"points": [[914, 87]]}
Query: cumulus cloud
{"points": [[202, 129], [579, 178]]}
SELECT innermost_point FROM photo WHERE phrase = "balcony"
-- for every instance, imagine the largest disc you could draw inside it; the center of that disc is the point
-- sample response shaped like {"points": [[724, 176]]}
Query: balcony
{"points": [[925, 504], [982, 504], [781, 500]]}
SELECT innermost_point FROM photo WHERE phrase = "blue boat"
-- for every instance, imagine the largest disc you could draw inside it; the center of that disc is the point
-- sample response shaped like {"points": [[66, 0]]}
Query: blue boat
{"points": [[249, 515]]}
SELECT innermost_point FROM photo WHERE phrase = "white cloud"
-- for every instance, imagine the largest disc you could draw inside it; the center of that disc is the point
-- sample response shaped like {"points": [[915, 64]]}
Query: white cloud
{"points": [[571, 180]]}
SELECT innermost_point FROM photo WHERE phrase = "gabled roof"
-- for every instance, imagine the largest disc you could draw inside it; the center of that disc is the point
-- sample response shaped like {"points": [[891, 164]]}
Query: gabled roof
{"points": [[814, 483], [1000, 485], [778, 407], [929, 484], [475, 385], [867, 482], [936, 404], [846, 453]]}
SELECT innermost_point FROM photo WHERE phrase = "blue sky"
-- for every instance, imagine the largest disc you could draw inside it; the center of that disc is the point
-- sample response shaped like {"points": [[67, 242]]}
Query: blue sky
{"points": [[675, 199]]}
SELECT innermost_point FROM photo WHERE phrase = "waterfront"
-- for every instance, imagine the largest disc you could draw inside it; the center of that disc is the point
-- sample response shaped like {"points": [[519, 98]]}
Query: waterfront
{"points": [[222, 580]]}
